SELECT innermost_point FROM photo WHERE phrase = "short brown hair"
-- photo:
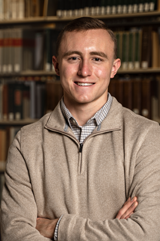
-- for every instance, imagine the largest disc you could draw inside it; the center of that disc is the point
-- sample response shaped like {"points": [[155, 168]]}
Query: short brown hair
{"points": [[83, 24]]}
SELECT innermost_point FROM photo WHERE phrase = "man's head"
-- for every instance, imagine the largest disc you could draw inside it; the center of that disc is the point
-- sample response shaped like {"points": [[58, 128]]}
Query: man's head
{"points": [[84, 24], [85, 63]]}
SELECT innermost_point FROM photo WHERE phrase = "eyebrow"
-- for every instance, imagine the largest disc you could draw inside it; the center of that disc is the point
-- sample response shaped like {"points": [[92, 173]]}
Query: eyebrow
{"points": [[98, 53]]}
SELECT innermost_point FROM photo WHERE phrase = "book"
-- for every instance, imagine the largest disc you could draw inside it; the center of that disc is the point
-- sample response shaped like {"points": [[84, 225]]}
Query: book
{"points": [[137, 47], [26, 101], [39, 51], [155, 47], [11, 110], [125, 49], [14, 9], [1, 9], [131, 50], [40, 99], [3, 145], [102, 7], [23, 41], [21, 9], [51, 8], [59, 8], [1, 101], [7, 9], [5, 101], [18, 104], [54, 93], [48, 48], [108, 7], [127, 93], [136, 95], [5, 51], [146, 98], [146, 54], [1, 49], [135, 6]]}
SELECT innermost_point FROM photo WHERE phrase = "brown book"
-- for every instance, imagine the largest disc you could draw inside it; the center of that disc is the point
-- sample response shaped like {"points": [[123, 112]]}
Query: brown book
{"points": [[127, 93], [3, 145], [155, 48], [119, 91], [45, 8], [136, 95], [146, 55], [5, 102], [54, 94], [112, 87], [146, 98]]}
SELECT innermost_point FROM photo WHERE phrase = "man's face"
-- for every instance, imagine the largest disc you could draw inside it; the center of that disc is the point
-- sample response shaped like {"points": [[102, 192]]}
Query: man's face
{"points": [[85, 64]]}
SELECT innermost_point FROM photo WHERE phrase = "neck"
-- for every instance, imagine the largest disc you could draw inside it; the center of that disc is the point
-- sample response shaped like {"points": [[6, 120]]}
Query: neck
{"points": [[83, 112]]}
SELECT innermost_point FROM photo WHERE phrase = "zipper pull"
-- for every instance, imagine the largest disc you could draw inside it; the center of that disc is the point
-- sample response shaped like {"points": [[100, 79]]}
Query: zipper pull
{"points": [[81, 146]]}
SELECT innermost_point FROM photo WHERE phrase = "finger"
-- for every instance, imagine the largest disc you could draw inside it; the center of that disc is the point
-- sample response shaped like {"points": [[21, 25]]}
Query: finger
{"points": [[129, 215], [130, 210], [126, 206]]}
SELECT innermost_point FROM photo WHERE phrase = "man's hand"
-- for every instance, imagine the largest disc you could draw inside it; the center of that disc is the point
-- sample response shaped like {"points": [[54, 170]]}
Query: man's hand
{"points": [[128, 208], [46, 227]]}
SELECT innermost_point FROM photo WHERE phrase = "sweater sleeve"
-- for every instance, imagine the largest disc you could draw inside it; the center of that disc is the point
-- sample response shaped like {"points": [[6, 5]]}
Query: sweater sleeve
{"points": [[18, 206], [144, 223]]}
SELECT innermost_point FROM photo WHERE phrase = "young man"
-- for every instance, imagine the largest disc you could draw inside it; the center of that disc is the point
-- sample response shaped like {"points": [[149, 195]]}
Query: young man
{"points": [[70, 173]]}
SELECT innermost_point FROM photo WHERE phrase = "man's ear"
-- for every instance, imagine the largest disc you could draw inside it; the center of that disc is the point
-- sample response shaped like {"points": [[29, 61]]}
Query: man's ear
{"points": [[116, 65], [56, 65]]}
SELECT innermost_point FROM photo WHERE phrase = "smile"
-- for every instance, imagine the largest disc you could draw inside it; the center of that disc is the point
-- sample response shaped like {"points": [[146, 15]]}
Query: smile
{"points": [[84, 84]]}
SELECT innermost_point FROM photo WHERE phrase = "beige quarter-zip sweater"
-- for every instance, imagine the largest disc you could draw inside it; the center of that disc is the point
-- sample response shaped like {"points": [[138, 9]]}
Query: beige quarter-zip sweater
{"points": [[47, 176]]}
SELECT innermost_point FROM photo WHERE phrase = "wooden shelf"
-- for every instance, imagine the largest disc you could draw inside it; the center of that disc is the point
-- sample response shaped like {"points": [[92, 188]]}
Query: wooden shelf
{"points": [[139, 71], [48, 19]]}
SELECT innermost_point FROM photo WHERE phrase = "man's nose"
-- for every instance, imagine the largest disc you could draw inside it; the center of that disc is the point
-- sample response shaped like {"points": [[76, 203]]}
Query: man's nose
{"points": [[85, 68]]}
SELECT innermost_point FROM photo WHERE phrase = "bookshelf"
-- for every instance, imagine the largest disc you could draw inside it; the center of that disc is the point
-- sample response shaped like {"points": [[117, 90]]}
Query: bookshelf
{"points": [[52, 21]]}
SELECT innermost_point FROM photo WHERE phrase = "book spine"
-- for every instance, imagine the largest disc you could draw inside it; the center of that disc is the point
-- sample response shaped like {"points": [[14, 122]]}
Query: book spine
{"points": [[146, 98], [1, 101], [21, 9], [18, 48], [11, 101], [136, 86], [48, 64], [5, 102], [1, 49], [18, 101], [5, 51], [1, 10]]}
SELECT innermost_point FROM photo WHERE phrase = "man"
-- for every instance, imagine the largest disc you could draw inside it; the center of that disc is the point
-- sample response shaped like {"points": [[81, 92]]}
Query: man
{"points": [[70, 173]]}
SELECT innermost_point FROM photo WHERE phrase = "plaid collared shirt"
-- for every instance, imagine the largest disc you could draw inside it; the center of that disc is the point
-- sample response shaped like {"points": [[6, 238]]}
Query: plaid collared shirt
{"points": [[81, 132]]}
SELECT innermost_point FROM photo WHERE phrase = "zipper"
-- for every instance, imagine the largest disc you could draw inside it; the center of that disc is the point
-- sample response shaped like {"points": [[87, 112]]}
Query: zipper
{"points": [[80, 161]]}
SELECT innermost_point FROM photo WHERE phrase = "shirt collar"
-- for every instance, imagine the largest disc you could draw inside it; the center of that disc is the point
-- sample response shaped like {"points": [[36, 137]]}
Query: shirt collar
{"points": [[99, 116]]}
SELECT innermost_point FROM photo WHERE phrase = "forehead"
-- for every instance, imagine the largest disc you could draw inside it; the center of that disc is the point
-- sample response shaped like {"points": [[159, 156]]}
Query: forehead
{"points": [[97, 39]]}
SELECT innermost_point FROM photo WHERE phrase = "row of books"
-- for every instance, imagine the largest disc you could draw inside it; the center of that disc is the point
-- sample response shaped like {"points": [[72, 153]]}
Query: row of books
{"points": [[25, 49], [71, 8], [139, 48], [20, 9], [28, 99], [141, 95]]}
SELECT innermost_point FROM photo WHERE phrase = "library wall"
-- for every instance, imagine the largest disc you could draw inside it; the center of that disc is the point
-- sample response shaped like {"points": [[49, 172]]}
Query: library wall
{"points": [[29, 87]]}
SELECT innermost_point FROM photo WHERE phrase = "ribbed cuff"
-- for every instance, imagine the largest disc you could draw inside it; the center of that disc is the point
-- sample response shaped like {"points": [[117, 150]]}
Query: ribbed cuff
{"points": [[56, 229]]}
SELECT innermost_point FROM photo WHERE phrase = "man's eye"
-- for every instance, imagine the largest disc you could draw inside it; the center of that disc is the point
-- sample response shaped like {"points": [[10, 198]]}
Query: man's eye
{"points": [[73, 58], [97, 59]]}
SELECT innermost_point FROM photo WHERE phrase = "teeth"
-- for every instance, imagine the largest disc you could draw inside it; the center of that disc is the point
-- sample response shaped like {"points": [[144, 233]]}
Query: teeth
{"points": [[84, 84]]}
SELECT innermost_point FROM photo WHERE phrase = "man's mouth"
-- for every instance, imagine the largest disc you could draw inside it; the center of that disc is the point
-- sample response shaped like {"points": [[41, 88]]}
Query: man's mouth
{"points": [[84, 84]]}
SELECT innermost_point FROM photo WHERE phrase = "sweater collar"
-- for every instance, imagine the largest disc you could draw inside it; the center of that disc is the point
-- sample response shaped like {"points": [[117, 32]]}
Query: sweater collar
{"points": [[113, 121]]}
